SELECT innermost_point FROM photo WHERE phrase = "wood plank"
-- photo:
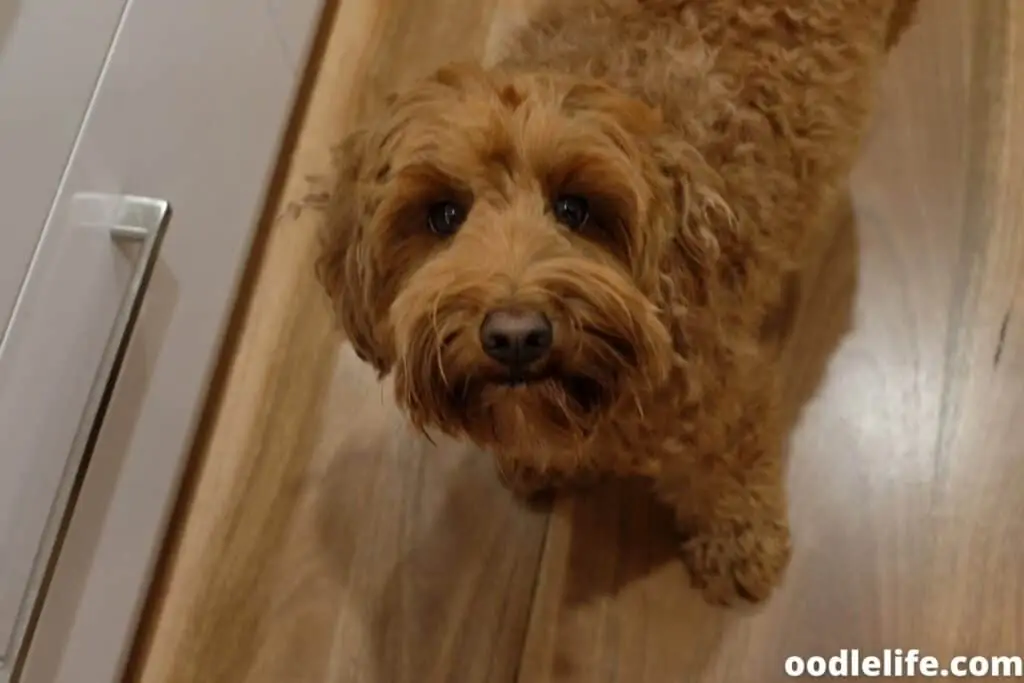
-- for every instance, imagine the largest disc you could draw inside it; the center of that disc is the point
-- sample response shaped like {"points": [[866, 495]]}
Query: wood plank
{"points": [[298, 556], [905, 469]]}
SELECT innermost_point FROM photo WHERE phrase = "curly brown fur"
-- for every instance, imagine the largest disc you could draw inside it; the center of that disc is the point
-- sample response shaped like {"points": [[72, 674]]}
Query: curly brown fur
{"points": [[710, 138]]}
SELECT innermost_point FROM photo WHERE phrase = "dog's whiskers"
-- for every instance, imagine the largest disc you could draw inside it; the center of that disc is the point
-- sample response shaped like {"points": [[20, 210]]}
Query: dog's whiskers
{"points": [[434, 312], [413, 391], [561, 400], [639, 405], [439, 362]]}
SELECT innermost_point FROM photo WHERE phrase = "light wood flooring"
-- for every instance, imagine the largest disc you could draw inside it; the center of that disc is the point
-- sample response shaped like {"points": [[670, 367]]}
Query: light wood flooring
{"points": [[299, 556]]}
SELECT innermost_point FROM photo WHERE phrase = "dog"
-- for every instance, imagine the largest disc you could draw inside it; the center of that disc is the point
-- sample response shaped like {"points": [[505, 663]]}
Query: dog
{"points": [[577, 257]]}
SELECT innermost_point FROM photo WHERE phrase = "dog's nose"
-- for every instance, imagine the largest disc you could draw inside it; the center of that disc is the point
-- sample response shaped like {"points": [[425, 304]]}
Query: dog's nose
{"points": [[515, 338]]}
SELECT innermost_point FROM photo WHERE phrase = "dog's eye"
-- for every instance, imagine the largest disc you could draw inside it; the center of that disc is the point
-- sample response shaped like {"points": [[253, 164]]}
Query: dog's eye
{"points": [[444, 218], [571, 211]]}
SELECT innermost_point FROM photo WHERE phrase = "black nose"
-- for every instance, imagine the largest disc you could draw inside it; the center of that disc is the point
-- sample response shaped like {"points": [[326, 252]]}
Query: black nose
{"points": [[514, 338]]}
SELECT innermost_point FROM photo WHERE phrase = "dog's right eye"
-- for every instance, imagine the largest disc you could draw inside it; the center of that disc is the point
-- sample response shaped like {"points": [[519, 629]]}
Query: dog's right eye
{"points": [[572, 211], [445, 218]]}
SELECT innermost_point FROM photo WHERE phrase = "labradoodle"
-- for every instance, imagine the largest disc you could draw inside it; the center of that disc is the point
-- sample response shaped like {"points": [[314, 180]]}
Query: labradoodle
{"points": [[576, 257]]}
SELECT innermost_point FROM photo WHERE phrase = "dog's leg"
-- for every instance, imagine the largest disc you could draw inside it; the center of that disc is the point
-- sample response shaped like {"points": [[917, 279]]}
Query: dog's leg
{"points": [[730, 506]]}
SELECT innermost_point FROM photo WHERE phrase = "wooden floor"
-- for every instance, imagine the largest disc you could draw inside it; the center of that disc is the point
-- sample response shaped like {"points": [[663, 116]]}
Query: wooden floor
{"points": [[301, 557]]}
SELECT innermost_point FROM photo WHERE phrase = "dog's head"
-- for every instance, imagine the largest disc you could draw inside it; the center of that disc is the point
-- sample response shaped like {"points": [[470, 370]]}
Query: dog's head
{"points": [[501, 241]]}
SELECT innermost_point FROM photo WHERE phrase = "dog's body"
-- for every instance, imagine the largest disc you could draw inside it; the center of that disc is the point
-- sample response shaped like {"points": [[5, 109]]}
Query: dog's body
{"points": [[630, 197]]}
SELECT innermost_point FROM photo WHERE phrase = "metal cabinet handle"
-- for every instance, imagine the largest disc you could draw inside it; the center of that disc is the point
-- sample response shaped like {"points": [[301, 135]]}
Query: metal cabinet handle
{"points": [[130, 219], [54, 385]]}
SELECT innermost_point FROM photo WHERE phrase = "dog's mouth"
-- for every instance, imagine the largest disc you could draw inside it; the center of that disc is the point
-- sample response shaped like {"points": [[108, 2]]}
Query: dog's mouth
{"points": [[522, 379], [587, 393], [567, 392]]}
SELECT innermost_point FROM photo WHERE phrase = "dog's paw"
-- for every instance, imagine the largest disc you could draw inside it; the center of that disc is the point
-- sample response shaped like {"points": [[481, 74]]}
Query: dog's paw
{"points": [[739, 562]]}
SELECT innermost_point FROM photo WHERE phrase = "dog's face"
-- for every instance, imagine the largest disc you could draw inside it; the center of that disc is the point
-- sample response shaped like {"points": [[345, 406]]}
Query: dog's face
{"points": [[499, 242]]}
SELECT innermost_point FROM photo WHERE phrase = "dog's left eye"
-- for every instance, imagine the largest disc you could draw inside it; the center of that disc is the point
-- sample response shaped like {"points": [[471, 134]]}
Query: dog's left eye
{"points": [[571, 211], [444, 218]]}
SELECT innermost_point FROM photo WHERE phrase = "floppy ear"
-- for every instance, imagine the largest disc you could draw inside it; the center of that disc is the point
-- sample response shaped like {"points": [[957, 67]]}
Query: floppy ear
{"points": [[692, 215], [692, 191], [345, 266]]}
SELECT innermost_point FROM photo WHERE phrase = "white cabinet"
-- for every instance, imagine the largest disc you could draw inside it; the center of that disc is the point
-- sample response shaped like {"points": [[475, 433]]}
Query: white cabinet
{"points": [[51, 53], [111, 111]]}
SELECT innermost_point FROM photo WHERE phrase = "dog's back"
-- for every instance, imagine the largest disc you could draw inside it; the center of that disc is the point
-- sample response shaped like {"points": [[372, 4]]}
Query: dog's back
{"points": [[699, 60]]}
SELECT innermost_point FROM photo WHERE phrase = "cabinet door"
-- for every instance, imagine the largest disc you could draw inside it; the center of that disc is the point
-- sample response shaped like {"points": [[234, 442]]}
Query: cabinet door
{"points": [[112, 109], [190, 107], [51, 54]]}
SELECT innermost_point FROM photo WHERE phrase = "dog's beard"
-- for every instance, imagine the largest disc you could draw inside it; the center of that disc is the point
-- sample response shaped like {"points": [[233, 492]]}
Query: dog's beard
{"points": [[610, 349], [450, 387]]}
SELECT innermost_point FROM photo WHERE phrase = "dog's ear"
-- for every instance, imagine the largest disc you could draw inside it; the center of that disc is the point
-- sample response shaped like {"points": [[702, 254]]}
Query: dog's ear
{"points": [[688, 192], [692, 192], [345, 266]]}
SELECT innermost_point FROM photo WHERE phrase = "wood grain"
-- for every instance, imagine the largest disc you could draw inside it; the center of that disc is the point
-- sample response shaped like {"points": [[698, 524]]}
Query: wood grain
{"points": [[337, 548]]}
